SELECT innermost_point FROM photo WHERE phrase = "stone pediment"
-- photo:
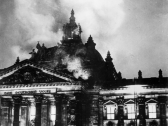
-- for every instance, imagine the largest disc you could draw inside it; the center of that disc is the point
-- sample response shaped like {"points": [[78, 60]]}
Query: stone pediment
{"points": [[151, 101], [30, 73], [110, 103], [129, 102]]}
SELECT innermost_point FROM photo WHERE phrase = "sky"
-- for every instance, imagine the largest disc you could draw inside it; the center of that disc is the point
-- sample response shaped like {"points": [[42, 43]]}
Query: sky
{"points": [[134, 31]]}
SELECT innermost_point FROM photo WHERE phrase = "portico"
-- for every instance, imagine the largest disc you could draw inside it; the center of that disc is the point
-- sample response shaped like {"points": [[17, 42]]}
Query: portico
{"points": [[38, 109], [36, 102]]}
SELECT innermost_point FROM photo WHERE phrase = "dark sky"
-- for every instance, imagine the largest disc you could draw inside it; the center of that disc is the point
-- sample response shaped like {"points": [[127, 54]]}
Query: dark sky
{"points": [[134, 31]]}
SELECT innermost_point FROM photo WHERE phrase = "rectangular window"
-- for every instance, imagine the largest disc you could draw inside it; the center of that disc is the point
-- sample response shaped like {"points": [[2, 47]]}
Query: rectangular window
{"points": [[152, 110], [110, 111], [131, 111], [53, 113], [32, 112]]}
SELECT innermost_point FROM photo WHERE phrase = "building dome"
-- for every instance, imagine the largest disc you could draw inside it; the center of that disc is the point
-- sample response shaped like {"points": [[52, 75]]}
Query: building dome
{"points": [[70, 49]]}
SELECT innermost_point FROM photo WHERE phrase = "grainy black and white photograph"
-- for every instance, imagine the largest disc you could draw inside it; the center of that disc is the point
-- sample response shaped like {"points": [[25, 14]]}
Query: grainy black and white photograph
{"points": [[83, 63]]}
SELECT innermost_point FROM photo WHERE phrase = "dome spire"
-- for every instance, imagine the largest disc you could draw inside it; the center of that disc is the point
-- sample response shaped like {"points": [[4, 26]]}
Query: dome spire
{"points": [[108, 58], [72, 12], [72, 18], [71, 30], [111, 73], [90, 43]]}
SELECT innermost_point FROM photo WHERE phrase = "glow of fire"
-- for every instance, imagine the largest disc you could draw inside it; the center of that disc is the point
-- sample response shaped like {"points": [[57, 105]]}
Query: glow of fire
{"points": [[133, 89], [74, 65]]}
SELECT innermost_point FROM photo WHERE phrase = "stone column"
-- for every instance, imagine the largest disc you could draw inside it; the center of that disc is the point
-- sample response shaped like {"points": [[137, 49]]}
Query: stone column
{"points": [[120, 102], [38, 100], [64, 110], [45, 112], [49, 104], [162, 101], [78, 108], [141, 103], [84, 111], [58, 101], [17, 101], [71, 111], [100, 112]]}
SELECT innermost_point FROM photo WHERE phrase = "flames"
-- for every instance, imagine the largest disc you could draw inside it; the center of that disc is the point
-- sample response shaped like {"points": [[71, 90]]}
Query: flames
{"points": [[74, 64]]}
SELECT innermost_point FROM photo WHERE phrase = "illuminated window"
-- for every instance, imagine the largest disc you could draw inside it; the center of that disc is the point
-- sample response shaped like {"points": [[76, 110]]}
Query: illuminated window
{"points": [[152, 110], [32, 112], [131, 111], [110, 111], [53, 113]]}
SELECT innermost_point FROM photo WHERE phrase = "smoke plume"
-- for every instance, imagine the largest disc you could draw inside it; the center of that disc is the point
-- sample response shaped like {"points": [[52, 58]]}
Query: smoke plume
{"points": [[74, 64], [128, 29], [23, 23]]}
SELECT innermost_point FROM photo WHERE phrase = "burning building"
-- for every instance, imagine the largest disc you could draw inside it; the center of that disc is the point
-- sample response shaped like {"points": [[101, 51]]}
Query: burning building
{"points": [[70, 84]]}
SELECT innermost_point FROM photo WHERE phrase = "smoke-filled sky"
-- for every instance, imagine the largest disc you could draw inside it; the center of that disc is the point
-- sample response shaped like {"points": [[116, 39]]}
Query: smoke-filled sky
{"points": [[134, 31]]}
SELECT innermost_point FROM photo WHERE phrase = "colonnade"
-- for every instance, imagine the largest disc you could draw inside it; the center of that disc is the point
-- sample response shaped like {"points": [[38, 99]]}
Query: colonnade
{"points": [[68, 110], [39, 110]]}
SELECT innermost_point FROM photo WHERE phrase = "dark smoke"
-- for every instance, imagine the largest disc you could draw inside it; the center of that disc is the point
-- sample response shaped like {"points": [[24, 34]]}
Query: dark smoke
{"points": [[134, 31]]}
